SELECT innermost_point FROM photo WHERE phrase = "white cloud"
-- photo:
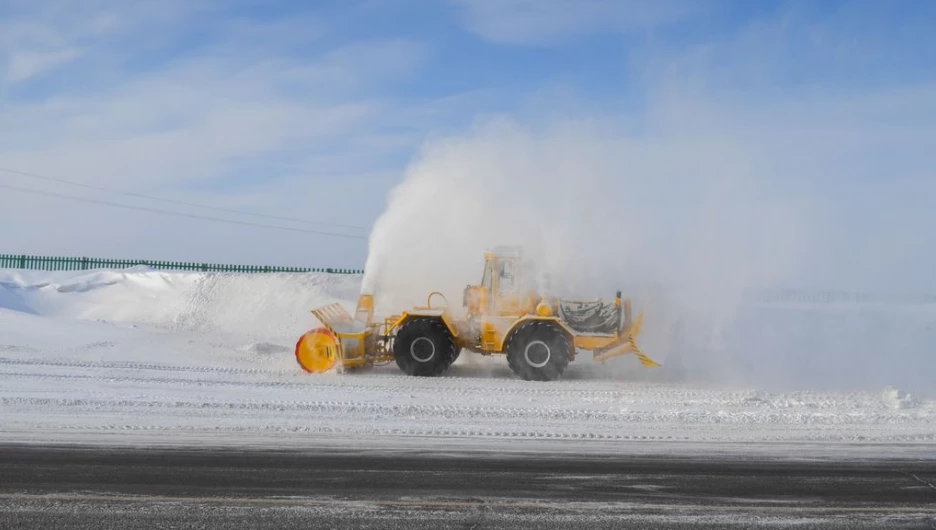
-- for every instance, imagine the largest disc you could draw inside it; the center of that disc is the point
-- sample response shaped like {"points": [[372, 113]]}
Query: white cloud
{"points": [[37, 37], [188, 121], [26, 64], [259, 115], [548, 21], [138, 112], [246, 118]]}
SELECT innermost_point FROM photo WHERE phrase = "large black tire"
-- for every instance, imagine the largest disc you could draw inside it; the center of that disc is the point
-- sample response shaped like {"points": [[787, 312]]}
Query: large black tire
{"points": [[538, 351], [455, 356], [424, 347]]}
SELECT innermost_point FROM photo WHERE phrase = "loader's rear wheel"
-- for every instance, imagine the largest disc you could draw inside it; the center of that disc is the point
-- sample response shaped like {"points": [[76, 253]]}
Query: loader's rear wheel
{"points": [[538, 351], [424, 347]]}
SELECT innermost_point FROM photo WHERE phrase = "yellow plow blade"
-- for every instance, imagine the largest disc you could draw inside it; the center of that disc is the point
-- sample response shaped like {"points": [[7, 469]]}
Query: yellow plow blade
{"points": [[628, 344]]}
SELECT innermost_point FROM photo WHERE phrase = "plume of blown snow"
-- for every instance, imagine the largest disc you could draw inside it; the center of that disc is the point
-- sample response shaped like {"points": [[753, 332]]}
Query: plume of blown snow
{"points": [[688, 209], [596, 210]]}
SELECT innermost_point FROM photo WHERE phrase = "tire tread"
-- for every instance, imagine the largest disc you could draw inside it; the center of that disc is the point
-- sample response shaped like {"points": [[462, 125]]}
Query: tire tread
{"points": [[434, 329], [547, 332]]}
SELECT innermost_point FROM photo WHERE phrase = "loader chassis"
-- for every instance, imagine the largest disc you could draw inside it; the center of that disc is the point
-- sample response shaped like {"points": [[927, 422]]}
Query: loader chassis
{"points": [[504, 315]]}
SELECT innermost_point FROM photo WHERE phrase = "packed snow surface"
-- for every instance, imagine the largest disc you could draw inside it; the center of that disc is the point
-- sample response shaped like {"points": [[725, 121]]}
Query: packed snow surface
{"points": [[139, 354]]}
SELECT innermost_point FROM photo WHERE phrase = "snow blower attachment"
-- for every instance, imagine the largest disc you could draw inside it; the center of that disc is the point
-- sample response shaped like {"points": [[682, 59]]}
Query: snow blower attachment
{"points": [[344, 340], [540, 335]]}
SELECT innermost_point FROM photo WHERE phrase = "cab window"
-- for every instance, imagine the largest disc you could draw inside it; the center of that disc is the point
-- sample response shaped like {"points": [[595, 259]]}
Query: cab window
{"points": [[505, 277]]}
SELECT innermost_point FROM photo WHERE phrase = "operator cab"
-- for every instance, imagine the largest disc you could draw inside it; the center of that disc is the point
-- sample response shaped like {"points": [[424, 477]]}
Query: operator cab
{"points": [[503, 288]]}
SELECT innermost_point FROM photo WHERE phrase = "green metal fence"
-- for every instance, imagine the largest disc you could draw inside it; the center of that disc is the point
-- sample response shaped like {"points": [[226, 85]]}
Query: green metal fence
{"points": [[59, 263]]}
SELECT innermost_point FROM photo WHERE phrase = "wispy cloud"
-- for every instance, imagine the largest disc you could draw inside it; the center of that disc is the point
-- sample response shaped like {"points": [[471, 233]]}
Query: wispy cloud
{"points": [[317, 113], [177, 122], [194, 100], [183, 116], [26, 64], [42, 37], [550, 21]]}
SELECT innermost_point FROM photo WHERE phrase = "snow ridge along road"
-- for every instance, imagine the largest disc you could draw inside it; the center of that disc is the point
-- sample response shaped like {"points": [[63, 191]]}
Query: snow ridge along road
{"points": [[138, 356]]}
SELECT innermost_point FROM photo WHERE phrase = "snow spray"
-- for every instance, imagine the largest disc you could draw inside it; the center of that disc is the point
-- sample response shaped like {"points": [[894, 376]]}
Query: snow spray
{"points": [[686, 220]]}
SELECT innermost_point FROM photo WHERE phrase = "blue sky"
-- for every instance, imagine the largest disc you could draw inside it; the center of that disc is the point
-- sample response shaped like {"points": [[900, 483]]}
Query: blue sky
{"points": [[315, 110]]}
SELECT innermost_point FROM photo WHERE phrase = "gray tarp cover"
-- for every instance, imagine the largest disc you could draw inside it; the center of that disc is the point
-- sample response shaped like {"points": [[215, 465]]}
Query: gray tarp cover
{"points": [[591, 317]]}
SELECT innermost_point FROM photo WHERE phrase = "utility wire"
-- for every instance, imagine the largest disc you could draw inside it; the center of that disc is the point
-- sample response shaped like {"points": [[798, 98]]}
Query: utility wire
{"points": [[181, 203], [179, 214]]}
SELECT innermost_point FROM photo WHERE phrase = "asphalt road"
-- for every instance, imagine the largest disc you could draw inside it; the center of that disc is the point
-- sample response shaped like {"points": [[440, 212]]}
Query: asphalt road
{"points": [[99, 488]]}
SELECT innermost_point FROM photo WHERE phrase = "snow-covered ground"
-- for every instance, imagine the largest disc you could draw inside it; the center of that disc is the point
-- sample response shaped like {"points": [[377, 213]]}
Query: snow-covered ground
{"points": [[141, 355]]}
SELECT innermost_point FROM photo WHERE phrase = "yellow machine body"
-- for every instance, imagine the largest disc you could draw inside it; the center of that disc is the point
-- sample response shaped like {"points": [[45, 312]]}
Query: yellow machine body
{"points": [[493, 311]]}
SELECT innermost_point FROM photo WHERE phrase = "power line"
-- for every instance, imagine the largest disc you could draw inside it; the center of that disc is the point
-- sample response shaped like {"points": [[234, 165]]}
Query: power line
{"points": [[179, 214], [181, 203]]}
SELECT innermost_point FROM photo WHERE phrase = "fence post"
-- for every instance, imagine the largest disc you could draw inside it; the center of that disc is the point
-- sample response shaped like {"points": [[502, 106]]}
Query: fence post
{"points": [[22, 261]]}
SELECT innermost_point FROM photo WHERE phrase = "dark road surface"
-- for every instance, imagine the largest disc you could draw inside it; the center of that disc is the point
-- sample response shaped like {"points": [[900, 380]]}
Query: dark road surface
{"points": [[106, 488]]}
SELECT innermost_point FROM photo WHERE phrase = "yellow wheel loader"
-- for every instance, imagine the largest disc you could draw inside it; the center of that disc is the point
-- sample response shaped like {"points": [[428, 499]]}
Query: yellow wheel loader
{"points": [[539, 334]]}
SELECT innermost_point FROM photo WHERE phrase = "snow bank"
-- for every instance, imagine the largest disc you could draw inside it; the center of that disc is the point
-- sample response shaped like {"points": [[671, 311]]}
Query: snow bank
{"points": [[139, 355], [268, 305], [263, 305]]}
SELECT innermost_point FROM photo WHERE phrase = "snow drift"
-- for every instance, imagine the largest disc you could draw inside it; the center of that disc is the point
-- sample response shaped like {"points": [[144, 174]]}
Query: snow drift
{"points": [[264, 306]]}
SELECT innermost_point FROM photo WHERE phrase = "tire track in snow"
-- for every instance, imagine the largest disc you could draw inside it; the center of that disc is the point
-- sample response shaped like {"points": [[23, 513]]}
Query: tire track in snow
{"points": [[610, 418], [578, 388], [134, 365], [388, 381], [461, 386], [326, 406], [469, 432], [352, 380], [368, 431], [450, 387], [487, 393], [355, 382], [102, 395]]}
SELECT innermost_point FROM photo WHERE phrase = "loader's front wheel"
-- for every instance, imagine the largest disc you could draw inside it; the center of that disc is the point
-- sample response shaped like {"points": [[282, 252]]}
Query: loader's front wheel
{"points": [[424, 347], [538, 351]]}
